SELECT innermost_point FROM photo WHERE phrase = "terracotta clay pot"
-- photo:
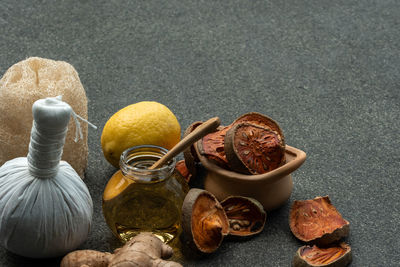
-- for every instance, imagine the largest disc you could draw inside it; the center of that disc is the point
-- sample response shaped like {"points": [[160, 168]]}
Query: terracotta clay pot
{"points": [[271, 189]]}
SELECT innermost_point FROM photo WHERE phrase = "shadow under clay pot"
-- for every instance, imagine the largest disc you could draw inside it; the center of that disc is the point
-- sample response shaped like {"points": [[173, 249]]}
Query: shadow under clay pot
{"points": [[271, 189]]}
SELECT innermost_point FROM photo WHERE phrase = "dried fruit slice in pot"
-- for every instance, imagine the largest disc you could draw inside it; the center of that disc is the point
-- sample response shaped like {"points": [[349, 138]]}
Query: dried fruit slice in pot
{"points": [[183, 170], [335, 256], [189, 154], [212, 147], [263, 121], [204, 220], [246, 215], [253, 149], [317, 221]]}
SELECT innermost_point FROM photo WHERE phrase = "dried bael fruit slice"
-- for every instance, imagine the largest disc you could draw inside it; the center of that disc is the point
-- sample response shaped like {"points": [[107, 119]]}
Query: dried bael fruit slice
{"points": [[263, 121], [335, 256], [246, 215], [190, 153], [183, 170], [212, 147], [253, 149], [317, 221], [204, 220]]}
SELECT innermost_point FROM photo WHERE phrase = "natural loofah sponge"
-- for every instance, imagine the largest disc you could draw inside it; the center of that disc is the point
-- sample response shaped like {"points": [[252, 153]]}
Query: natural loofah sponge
{"points": [[23, 84]]}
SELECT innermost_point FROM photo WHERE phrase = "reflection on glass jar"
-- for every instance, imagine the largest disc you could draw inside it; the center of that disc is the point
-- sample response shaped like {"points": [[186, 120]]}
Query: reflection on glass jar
{"points": [[137, 199]]}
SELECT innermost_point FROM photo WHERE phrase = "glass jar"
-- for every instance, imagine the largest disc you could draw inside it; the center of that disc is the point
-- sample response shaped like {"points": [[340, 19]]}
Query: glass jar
{"points": [[137, 199]]}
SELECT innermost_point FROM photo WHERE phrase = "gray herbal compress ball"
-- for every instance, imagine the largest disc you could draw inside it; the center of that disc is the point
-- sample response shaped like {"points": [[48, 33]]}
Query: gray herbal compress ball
{"points": [[45, 208]]}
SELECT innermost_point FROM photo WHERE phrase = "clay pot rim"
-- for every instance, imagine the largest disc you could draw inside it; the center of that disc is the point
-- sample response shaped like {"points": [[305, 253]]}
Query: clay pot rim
{"points": [[295, 158]]}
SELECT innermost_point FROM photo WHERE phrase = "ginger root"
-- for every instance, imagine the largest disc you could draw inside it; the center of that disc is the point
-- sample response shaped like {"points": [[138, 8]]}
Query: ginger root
{"points": [[144, 249]]}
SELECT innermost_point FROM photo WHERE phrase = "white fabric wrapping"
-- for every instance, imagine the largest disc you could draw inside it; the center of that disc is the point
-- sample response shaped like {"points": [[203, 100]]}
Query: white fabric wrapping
{"points": [[45, 151], [45, 207]]}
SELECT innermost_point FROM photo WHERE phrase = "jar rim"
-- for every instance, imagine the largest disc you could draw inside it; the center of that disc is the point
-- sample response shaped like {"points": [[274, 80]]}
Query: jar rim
{"points": [[127, 168]]}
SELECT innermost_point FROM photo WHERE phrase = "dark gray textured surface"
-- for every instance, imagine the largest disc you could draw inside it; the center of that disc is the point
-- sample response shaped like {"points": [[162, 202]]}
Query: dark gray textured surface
{"points": [[327, 71]]}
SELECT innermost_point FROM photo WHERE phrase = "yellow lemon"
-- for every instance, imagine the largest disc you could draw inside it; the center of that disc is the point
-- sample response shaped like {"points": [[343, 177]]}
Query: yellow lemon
{"points": [[143, 123]]}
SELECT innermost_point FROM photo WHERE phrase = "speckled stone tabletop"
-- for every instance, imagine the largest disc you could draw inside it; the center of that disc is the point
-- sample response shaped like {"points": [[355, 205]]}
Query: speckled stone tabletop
{"points": [[327, 71]]}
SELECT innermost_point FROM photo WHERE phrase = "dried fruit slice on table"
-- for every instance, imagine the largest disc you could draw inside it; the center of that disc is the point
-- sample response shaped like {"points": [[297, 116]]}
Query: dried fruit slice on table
{"points": [[317, 221], [263, 121], [252, 149], [246, 215], [212, 147], [204, 220], [335, 256]]}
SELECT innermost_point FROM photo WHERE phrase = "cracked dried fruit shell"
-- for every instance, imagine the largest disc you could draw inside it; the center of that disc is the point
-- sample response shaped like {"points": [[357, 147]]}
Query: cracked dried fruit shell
{"points": [[253, 149], [204, 220], [317, 221], [183, 170], [334, 256], [246, 215], [263, 121], [212, 147], [189, 153]]}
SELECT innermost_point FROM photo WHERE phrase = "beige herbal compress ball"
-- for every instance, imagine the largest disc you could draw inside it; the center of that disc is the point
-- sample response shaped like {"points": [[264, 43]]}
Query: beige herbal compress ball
{"points": [[23, 84]]}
